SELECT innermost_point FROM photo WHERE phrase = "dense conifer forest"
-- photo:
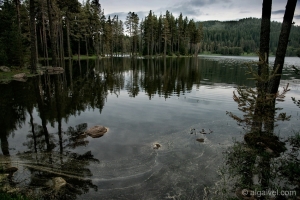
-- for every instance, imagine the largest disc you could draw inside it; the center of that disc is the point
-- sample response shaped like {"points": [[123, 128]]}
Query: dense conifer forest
{"points": [[237, 37], [63, 29]]}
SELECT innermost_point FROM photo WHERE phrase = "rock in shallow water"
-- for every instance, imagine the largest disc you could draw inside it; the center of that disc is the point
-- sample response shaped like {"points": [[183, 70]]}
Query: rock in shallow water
{"points": [[57, 183], [96, 131], [4, 69], [20, 77], [200, 140], [156, 146]]}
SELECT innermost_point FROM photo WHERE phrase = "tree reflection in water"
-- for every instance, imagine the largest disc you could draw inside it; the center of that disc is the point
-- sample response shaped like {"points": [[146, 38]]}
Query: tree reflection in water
{"points": [[51, 149], [261, 163], [48, 157]]}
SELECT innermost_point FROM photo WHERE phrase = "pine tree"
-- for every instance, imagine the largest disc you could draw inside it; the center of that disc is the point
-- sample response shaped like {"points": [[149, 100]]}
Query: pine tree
{"points": [[165, 34]]}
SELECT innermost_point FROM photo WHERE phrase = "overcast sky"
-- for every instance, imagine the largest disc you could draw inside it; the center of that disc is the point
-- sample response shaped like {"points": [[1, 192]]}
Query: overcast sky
{"points": [[199, 10]]}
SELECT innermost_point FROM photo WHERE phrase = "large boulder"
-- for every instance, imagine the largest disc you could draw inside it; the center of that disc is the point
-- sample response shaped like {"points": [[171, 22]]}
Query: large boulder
{"points": [[96, 131], [4, 69]]}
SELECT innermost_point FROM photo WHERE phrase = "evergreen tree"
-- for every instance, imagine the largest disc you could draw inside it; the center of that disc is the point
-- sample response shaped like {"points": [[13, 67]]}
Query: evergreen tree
{"points": [[165, 34]]}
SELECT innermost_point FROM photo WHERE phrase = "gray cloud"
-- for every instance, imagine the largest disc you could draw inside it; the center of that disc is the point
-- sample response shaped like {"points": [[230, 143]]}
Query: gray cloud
{"points": [[201, 3], [278, 12], [122, 15], [196, 9], [245, 12], [193, 7]]}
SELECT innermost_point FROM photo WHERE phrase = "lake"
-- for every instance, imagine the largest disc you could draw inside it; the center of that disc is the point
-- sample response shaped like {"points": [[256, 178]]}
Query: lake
{"points": [[155, 110]]}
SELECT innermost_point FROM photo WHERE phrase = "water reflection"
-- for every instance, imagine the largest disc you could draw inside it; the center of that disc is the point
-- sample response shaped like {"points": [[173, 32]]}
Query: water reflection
{"points": [[52, 150], [263, 165]]}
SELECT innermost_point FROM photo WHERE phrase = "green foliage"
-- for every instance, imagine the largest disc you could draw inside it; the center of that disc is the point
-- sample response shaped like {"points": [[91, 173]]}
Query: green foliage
{"points": [[6, 196], [257, 105], [244, 34], [11, 52]]}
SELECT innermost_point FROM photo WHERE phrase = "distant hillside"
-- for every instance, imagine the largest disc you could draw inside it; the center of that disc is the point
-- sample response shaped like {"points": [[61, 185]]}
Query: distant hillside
{"points": [[236, 37]]}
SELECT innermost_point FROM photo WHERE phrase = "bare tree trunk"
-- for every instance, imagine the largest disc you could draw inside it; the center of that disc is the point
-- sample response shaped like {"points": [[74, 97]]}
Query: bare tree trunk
{"points": [[263, 69], [273, 84], [36, 45], [165, 48], [33, 59], [17, 2], [68, 37], [265, 33], [79, 51], [57, 31], [52, 33], [282, 44], [86, 46], [62, 54], [44, 35], [42, 45], [19, 41]]}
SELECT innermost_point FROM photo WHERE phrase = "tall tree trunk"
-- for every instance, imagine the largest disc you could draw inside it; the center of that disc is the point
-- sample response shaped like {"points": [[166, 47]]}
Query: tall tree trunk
{"points": [[265, 35], [42, 45], [273, 84], [62, 55], [57, 46], [282, 44], [68, 37], [17, 2], [36, 44], [86, 46], [19, 41], [52, 32], [33, 59], [263, 68], [178, 45], [148, 52], [79, 52], [165, 48], [44, 34]]}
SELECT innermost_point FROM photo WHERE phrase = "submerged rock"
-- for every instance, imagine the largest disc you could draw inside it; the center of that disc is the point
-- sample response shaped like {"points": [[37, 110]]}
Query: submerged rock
{"points": [[20, 77], [270, 143], [4, 69], [200, 140], [156, 146], [57, 183], [96, 131]]}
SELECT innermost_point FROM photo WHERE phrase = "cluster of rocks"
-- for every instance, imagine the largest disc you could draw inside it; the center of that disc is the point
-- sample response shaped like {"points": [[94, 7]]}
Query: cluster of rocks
{"points": [[55, 183], [40, 70]]}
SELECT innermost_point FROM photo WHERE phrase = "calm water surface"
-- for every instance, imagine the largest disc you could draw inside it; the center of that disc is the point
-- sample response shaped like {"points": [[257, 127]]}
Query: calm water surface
{"points": [[143, 103]]}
